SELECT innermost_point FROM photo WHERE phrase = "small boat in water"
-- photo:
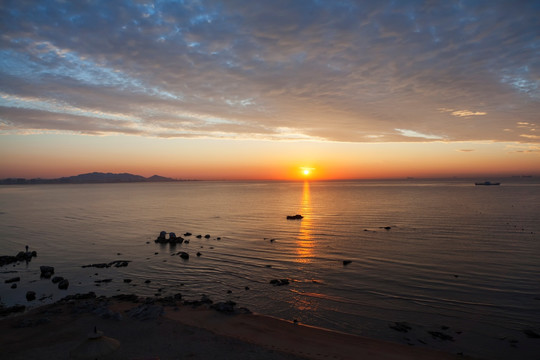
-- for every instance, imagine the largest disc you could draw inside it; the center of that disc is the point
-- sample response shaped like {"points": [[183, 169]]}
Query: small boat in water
{"points": [[487, 183]]}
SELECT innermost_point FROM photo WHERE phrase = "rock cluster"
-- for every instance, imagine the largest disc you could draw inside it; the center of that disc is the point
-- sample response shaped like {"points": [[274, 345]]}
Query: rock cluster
{"points": [[21, 256], [172, 239]]}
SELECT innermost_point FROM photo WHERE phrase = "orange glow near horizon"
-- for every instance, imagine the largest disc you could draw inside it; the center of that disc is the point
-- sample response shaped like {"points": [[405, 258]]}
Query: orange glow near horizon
{"points": [[52, 156]]}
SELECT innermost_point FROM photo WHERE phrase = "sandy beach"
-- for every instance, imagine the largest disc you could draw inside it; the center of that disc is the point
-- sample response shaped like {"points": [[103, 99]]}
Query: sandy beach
{"points": [[148, 329]]}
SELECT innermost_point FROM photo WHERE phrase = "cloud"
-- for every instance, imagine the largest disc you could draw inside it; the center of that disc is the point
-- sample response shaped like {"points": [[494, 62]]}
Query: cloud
{"points": [[415, 134], [462, 113], [532, 137], [465, 150], [316, 70]]}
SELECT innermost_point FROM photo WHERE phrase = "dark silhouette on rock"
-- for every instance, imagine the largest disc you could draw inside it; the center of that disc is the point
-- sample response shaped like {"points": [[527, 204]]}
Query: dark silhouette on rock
{"points": [[21, 256], [347, 262]]}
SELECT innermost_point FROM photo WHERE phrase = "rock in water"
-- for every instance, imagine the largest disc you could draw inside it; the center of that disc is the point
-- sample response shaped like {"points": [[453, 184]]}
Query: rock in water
{"points": [[162, 237], [30, 295], [63, 285], [46, 271], [57, 279]]}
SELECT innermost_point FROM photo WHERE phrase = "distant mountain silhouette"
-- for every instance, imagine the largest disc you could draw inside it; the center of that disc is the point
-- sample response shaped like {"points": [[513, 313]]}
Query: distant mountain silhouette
{"points": [[90, 178]]}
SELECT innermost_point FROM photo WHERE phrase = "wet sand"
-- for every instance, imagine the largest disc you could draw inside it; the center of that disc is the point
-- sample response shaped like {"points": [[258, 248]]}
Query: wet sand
{"points": [[175, 331]]}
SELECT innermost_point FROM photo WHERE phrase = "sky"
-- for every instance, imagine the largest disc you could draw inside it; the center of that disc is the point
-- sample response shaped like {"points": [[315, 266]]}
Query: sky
{"points": [[267, 89]]}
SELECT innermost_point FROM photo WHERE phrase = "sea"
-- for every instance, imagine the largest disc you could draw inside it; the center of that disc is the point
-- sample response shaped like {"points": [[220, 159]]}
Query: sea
{"points": [[441, 264]]}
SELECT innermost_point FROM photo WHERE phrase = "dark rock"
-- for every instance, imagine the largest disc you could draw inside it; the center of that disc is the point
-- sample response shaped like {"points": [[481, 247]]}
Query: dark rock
{"points": [[127, 281], [127, 297], [279, 282], [85, 296], [176, 240], [103, 281], [347, 262], [195, 303], [401, 326], [441, 336], [169, 300], [147, 281], [387, 227], [30, 295], [295, 217], [120, 263], [199, 253], [57, 279], [63, 285], [14, 286], [12, 280], [99, 266], [184, 255], [199, 236], [224, 307], [207, 236], [246, 288], [218, 238], [11, 310], [115, 263], [188, 234], [46, 271], [7, 259], [531, 334]]}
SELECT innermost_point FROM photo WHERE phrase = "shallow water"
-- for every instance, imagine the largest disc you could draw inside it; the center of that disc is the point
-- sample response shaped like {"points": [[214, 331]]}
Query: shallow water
{"points": [[459, 259]]}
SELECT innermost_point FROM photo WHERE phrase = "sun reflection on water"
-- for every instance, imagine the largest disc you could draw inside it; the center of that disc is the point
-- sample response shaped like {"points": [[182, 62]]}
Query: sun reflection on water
{"points": [[305, 245]]}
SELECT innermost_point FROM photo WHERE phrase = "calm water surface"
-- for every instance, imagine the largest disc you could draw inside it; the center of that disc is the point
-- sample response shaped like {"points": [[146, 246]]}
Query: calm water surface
{"points": [[459, 259]]}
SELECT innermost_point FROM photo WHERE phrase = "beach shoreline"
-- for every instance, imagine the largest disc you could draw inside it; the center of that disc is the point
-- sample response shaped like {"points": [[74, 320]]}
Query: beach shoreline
{"points": [[169, 329]]}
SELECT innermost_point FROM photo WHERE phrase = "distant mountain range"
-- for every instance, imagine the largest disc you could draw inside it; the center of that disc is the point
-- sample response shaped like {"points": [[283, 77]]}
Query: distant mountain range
{"points": [[90, 178]]}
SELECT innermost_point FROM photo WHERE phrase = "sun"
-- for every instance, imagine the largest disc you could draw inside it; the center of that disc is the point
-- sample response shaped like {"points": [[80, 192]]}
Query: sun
{"points": [[306, 171]]}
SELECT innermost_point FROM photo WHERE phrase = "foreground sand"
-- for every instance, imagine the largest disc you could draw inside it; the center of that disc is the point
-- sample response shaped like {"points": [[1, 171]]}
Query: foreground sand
{"points": [[184, 332]]}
